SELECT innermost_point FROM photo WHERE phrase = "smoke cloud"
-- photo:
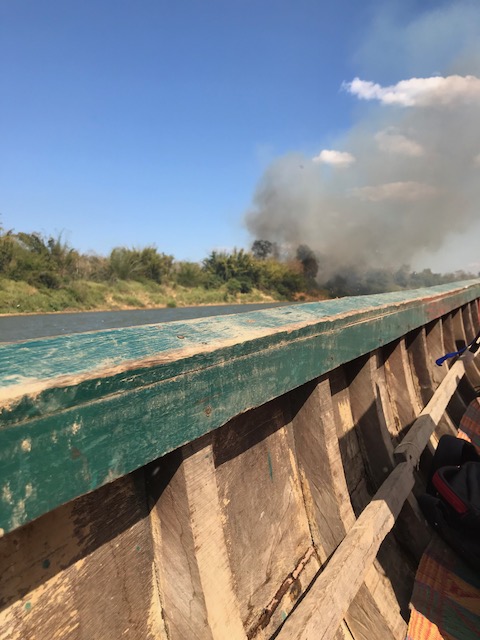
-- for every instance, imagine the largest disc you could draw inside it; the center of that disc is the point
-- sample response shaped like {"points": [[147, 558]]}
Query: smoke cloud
{"points": [[404, 178]]}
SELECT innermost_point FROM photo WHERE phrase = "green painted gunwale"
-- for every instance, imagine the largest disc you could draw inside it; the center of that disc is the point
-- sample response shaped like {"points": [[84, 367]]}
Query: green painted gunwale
{"points": [[79, 411]]}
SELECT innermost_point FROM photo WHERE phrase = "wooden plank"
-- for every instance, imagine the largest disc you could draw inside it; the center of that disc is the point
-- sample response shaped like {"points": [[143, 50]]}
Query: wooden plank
{"points": [[219, 592], [472, 374], [454, 339], [475, 310], [326, 496], [359, 486], [417, 438], [426, 379], [177, 572], [266, 529], [93, 407], [365, 621], [394, 558], [375, 440], [332, 593], [323, 607], [343, 633], [320, 465], [471, 330], [400, 389], [83, 571]]}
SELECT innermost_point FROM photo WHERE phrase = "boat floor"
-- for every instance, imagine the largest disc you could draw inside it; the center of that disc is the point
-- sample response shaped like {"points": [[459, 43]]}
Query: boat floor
{"points": [[445, 603]]}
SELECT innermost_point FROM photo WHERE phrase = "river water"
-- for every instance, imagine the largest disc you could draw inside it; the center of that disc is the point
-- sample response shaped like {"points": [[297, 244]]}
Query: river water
{"points": [[28, 327]]}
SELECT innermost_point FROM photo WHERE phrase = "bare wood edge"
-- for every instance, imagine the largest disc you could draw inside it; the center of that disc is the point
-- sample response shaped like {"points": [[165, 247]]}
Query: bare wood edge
{"points": [[320, 612]]}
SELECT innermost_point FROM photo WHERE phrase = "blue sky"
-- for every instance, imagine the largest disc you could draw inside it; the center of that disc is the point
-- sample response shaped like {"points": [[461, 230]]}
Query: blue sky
{"points": [[151, 122]]}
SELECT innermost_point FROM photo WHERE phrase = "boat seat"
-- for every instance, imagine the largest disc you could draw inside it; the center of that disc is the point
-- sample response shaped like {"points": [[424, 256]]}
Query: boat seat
{"points": [[445, 602]]}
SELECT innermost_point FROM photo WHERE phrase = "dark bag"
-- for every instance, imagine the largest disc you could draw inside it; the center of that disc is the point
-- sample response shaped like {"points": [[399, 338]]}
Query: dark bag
{"points": [[452, 502]]}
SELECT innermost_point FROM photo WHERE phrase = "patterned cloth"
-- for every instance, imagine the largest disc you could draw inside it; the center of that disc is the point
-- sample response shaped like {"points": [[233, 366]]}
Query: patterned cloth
{"points": [[446, 597], [470, 424]]}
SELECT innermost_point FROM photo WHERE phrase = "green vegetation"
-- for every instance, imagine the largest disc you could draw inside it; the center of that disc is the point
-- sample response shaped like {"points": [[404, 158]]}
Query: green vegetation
{"points": [[42, 274], [39, 274]]}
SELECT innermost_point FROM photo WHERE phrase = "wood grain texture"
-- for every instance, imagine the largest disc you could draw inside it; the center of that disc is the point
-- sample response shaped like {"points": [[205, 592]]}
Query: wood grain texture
{"points": [[471, 332], [263, 513], [178, 576], [426, 378], [475, 311], [320, 465], [401, 393], [83, 571], [320, 612], [359, 486], [330, 512], [417, 438], [374, 436], [439, 342], [76, 404], [221, 603], [472, 374]]}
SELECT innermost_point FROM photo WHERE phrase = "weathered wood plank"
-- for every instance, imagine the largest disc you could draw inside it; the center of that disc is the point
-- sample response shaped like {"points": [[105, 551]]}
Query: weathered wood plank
{"points": [[454, 339], [177, 572], [417, 438], [221, 603], [471, 330], [263, 514], [83, 571], [323, 607], [403, 399], [426, 378], [320, 465], [472, 374], [76, 404], [358, 483], [374, 437], [475, 311], [328, 505]]}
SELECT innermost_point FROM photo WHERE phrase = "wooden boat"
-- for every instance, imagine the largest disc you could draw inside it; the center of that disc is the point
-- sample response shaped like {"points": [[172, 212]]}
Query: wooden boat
{"points": [[238, 477]]}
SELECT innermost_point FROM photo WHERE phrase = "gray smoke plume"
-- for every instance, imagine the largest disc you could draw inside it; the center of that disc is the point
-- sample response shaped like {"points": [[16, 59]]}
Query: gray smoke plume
{"points": [[399, 183]]}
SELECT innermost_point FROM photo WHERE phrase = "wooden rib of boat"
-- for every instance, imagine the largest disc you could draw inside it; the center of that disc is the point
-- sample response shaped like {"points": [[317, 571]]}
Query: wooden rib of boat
{"points": [[238, 477]]}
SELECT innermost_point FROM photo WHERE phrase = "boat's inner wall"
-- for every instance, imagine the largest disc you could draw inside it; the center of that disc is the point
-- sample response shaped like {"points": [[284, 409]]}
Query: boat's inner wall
{"points": [[220, 538], [77, 412]]}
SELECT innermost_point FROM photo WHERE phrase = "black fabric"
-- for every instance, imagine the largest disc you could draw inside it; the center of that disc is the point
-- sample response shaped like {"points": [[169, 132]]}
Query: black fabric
{"points": [[452, 502]]}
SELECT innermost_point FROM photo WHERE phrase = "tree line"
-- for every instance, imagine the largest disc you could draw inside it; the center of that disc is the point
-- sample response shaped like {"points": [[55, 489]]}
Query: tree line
{"points": [[51, 263]]}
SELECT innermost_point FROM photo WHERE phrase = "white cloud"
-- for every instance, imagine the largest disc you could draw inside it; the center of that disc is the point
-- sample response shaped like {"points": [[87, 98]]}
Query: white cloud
{"points": [[391, 142], [408, 191], [335, 158], [422, 92]]}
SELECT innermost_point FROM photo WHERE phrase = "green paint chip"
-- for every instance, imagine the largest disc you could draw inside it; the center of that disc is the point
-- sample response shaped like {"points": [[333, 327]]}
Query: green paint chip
{"points": [[284, 616], [138, 548], [270, 467], [28, 606], [46, 563]]}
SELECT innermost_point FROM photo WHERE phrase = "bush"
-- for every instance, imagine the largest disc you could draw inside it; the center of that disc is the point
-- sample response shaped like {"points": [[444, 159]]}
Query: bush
{"points": [[234, 287]]}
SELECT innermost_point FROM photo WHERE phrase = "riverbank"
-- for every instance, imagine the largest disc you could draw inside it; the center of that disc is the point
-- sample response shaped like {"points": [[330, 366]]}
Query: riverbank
{"points": [[18, 297]]}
